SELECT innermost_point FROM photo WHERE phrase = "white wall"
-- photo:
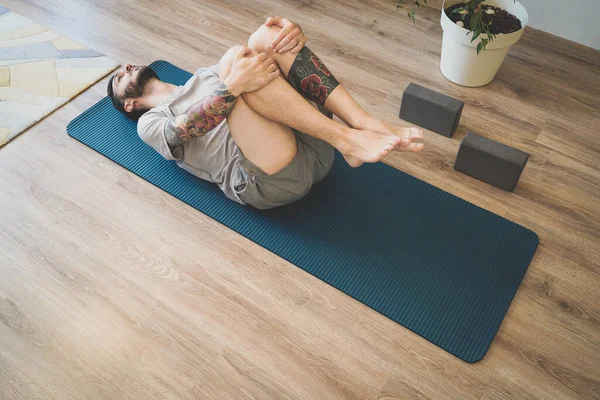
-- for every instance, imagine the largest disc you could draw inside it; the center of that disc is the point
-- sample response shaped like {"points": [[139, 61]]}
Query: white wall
{"points": [[576, 20]]}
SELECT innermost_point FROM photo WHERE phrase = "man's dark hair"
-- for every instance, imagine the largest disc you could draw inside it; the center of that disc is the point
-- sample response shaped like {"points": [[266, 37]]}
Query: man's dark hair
{"points": [[132, 91]]}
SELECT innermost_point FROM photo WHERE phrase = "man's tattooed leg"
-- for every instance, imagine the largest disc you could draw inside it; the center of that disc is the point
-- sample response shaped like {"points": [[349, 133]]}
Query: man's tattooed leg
{"points": [[311, 78]]}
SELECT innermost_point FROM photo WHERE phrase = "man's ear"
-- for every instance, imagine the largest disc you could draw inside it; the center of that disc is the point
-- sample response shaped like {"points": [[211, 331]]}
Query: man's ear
{"points": [[129, 105]]}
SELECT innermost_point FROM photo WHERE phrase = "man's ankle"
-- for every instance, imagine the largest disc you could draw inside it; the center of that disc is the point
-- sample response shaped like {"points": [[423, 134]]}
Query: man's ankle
{"points": [[364, 121], [341, 139]]}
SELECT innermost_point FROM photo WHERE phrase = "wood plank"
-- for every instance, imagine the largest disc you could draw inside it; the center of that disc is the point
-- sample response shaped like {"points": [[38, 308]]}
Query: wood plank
{"points": [[104, 295]]}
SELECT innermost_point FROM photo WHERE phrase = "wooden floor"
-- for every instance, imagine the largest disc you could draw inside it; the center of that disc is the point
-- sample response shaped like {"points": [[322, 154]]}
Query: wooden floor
{"points": [[112, 289]]}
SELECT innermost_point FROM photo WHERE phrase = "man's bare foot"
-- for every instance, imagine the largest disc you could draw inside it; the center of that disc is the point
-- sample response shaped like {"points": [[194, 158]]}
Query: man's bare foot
{"points": [[408, 135], [361, 146]]}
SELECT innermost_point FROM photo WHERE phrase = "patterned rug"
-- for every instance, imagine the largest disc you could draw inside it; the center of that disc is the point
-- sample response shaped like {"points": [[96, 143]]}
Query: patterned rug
{"points": [[40, 70]]}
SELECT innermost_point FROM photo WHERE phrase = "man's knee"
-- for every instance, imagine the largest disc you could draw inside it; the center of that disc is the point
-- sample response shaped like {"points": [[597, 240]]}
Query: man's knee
{"points": [[260, 41]]}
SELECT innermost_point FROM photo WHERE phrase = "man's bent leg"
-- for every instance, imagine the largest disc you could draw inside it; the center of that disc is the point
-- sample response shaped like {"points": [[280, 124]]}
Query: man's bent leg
{"points": [[307, 73], [304, 71], [279, 102], [310, 77], [266, 143]]}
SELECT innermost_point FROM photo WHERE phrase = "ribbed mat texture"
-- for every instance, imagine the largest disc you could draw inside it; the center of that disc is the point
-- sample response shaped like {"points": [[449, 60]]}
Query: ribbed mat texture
{"points": [[436, 264]]}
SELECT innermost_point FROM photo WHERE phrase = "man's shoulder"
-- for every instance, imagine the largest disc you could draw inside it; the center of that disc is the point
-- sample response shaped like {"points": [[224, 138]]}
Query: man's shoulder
{"points": [[148, 121]]}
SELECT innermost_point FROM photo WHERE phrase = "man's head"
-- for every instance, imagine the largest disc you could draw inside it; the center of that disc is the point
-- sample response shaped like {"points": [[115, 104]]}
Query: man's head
{"points": [[128, 87]]}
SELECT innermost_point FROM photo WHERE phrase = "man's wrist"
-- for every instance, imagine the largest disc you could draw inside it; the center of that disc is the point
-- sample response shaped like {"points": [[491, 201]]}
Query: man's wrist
{"points": [[232, 87]]}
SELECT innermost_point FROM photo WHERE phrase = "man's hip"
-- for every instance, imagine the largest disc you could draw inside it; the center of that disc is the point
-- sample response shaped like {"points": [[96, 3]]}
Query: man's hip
{"points": [[313, 160]]}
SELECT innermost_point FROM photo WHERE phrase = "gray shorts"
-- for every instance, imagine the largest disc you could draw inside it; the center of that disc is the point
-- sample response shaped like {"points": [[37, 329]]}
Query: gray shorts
{"points": [[312, 162]]}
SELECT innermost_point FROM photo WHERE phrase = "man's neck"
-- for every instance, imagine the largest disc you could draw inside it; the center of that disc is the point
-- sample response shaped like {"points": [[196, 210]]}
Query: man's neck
{"points": [[157, 91]]}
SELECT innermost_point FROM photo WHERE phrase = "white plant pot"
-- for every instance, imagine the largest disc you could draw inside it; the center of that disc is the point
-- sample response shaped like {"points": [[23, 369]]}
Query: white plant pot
{"points": [[460, 62]]}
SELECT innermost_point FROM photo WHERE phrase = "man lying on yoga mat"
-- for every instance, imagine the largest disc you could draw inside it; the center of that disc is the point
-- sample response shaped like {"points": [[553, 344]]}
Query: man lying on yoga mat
{"points": [[239, 124]]}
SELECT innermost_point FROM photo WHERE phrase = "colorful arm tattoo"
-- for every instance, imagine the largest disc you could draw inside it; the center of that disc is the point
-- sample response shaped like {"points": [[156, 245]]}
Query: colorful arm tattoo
{"points": [[200, 118], [310, 77]]}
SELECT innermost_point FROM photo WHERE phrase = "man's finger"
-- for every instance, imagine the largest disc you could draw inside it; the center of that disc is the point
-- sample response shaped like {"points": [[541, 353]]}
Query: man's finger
{"points": [[293, 43], [285, 41], [274, 74], [298, 47], [268, 62], [282, 34]]}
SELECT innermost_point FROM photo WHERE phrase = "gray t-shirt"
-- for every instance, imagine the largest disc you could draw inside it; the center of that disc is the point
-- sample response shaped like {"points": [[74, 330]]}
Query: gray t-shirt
{"points": [[214, 157]]}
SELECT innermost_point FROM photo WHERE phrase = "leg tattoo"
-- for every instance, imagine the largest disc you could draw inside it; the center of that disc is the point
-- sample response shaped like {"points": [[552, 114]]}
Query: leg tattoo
{"points": [[311, 78]]}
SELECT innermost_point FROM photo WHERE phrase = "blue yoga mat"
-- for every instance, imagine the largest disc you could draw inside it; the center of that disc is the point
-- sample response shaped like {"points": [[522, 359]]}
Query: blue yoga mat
{"points": [[434, 263]]}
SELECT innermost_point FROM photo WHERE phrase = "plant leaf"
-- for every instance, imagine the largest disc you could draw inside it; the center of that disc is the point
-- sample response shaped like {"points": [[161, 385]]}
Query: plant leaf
{"points": [[476, 34], [475, 20], [484, 42]]}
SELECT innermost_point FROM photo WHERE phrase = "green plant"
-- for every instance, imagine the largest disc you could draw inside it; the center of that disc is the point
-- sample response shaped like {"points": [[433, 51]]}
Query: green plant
{"points": [[472, 8], [410, 6]]}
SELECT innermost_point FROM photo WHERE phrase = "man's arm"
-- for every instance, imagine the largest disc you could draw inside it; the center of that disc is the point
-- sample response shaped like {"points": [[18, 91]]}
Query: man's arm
{"points": [[247, 74], [200, 118]]}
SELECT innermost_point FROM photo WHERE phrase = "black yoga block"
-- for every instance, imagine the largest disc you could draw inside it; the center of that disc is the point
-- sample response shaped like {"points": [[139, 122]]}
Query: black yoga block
{"points": [[431, 110], [490, 161]]}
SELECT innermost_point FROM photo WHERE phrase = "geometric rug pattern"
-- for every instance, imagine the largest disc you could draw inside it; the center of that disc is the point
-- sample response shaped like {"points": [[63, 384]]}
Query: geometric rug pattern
{"points": [[40, 70]]}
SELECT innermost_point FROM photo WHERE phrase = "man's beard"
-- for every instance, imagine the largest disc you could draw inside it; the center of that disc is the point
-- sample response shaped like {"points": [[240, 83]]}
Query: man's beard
{"points": [[136, 89]]}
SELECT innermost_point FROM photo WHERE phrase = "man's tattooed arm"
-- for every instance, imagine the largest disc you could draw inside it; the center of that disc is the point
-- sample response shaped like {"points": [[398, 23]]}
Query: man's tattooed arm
{"points": [[200, 118]]}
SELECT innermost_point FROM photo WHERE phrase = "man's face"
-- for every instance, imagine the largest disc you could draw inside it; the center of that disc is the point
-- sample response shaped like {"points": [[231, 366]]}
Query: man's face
{"points": [[130, 81]]}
